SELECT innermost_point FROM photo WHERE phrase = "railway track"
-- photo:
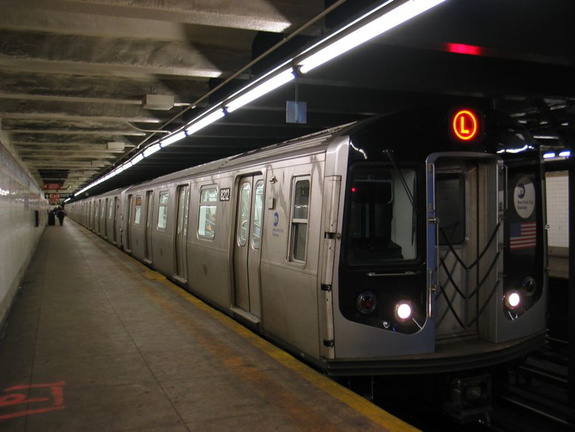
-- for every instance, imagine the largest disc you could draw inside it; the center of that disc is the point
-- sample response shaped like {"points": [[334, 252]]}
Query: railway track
{"points": [[533, 399], [537, 395]]}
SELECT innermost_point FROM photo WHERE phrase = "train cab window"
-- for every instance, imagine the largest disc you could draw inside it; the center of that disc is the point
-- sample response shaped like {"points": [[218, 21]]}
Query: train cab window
{"points": [[207, 213], [163, 210], [450, 205], [299, 221], [138, 210], [381, 221]]}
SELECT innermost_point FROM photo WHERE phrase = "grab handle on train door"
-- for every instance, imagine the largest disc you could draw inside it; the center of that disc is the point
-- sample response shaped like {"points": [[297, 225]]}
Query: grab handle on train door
{"points": [[505, 174], [431, 188]]}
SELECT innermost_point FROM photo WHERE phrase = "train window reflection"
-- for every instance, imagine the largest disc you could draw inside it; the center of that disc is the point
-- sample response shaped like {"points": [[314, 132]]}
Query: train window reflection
{"points": [[163, 211], [381, 223], [138, 210], [207, 213], [244, 213]]}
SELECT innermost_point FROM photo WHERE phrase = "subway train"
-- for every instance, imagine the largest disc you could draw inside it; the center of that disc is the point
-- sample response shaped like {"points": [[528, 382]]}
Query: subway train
{"points": [[408, 243]]}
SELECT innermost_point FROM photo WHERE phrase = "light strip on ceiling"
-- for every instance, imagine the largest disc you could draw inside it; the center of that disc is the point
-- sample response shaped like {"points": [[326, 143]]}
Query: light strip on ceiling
{"points": [[136, 159], [389, 20], [204, 121], [171, 139], [265, 85], [151, 149]]}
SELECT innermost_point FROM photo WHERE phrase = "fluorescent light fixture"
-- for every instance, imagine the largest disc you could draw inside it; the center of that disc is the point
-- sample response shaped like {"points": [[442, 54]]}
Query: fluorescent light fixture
{"points": [[151, 150], [549, 155], [378, 26], [172, 139], [205, 121], [138, 158], [260, 88]]}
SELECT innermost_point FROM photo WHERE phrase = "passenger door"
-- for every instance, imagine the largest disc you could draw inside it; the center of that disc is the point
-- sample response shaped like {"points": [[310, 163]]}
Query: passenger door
{"points": [[183, 204], [148, 227], [247, 244], [105, 217], [129, 223], [112, 219]]}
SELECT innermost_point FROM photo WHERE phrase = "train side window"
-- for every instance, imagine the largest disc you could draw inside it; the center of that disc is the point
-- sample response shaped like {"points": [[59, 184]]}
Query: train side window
{"points": [[163, 210], [207, 213], [138, 210], [450, 203], [299, 221]]}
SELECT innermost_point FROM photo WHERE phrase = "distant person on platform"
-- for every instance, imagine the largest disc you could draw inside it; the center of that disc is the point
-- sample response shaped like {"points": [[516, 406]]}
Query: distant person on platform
{"points": [[60, 214]]}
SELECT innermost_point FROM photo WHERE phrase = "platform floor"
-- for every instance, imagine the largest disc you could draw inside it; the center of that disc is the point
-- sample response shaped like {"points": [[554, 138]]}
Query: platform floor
{"points": [[96, 341]]}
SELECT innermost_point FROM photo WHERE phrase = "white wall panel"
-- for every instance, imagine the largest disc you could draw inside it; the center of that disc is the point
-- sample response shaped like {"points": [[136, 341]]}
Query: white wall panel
{"points": [[20, 200], [558, 208]]}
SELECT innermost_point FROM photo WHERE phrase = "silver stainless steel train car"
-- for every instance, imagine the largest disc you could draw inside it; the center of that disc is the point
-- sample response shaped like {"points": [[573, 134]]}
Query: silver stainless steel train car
{"points": [[409, 243]]}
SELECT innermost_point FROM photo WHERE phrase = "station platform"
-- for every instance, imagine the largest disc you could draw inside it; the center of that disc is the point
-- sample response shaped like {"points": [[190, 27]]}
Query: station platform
{"points": [[96, 341]]}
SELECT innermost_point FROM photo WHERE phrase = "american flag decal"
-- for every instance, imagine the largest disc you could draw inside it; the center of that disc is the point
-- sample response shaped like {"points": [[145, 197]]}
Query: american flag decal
{"points": [[523, 235]]}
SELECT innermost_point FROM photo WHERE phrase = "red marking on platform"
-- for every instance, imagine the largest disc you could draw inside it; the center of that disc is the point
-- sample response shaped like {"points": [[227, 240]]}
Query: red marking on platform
{"points": [[17, 404]]}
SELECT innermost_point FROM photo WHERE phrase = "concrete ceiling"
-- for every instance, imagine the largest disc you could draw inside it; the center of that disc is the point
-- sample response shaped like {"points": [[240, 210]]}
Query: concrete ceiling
{"points": [[74, 74]]}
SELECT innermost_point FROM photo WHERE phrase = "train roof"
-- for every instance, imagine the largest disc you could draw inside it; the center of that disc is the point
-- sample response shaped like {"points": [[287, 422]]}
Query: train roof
{"points": [[307, 143]]}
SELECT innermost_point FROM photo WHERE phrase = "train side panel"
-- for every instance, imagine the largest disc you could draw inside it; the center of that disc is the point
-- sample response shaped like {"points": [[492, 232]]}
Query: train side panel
{"points": [[290, 252]]}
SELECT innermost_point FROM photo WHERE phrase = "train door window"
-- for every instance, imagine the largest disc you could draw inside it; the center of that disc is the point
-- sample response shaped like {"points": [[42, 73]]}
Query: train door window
{"points": [[138, 210], [111, 210], [299, 221], [207, 213], [183, 197], [149, 209], [450, 205], [163, 210], [244, 213], [257, 216]]}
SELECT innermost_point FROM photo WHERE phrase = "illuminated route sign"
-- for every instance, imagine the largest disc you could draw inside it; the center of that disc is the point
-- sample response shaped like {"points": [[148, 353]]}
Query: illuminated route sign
{"points": [[465, 126]]}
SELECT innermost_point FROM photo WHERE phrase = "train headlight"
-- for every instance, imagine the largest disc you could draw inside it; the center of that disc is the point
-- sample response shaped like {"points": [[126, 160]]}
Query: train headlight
{"points": [[512, 299], [403, 310], [366, 302]]}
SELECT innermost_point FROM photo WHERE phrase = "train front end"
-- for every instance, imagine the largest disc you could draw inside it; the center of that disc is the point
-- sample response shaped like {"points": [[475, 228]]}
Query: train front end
{"points": [[441, 264]]}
